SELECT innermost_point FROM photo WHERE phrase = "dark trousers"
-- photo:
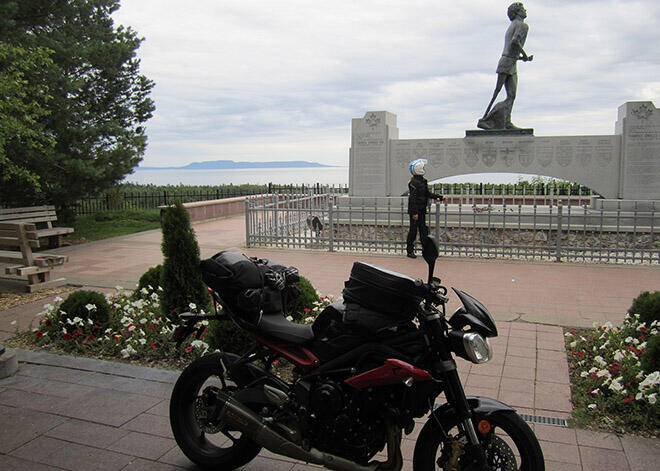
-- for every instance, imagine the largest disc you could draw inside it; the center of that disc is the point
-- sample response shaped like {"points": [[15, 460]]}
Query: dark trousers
{"points": [[420, 224]]}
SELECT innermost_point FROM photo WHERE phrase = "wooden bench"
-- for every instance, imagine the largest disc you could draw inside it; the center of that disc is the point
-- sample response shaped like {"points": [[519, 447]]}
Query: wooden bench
{"points": [[43, 216], [22, 238]]}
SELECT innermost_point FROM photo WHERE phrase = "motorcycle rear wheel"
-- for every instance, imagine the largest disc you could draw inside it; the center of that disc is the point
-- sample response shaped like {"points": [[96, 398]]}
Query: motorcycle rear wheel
{"points": [[510, 445], [224, 450]]}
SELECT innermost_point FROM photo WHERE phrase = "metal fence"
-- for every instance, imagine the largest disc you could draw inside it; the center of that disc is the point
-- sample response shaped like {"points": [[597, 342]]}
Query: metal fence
{"points": [[125, 200], [552, 233]]}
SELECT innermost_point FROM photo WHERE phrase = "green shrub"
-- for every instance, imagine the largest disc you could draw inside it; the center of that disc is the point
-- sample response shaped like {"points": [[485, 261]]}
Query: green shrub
{"points": [[181, 278], [650, 359], [151, 277], [647, 305], [225, 335], [308, 296], [75, 305]]}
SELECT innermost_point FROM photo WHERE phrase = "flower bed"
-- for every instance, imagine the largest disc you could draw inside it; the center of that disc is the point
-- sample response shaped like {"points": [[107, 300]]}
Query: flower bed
{"points": [[136, 330], [609, 388]]}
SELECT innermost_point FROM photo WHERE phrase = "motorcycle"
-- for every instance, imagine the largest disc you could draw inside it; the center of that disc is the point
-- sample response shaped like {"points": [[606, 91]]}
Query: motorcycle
{"points": [[362, 372]]}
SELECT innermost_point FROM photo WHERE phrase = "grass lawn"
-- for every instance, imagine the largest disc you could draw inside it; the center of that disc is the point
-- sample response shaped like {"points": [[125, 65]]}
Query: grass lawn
{"points": [[112, 224]]}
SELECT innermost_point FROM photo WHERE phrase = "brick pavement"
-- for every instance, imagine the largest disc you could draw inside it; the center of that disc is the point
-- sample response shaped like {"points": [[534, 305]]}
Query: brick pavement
{"points": [[62, 412]]}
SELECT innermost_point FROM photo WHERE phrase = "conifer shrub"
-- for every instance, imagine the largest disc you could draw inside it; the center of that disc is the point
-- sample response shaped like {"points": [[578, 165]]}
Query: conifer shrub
{"points": [[87, 305], [650, 359], [299, 307], [647, 305], [150, 278], [225, 335], [181, 278]]}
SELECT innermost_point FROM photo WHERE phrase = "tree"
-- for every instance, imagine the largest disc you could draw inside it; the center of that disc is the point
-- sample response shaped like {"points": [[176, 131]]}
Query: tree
{"points": [[99, 100], [22, 107], [181, 278]]}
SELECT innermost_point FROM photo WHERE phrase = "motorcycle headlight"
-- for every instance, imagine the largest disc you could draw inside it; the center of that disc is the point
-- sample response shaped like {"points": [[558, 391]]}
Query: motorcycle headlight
{"points": [[477, 348]]}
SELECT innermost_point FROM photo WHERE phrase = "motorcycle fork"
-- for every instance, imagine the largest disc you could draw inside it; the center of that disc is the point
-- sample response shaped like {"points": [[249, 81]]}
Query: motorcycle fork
{"points": [[456, 396]]}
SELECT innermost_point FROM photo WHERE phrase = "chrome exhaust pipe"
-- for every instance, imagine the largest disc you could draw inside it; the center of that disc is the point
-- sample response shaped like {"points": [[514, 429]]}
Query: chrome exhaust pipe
{"points": [[242, 419]]}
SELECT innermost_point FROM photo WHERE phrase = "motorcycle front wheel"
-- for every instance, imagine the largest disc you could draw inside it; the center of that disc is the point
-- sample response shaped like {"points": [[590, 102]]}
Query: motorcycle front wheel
{"points": [[207, 444], [510, 444]]}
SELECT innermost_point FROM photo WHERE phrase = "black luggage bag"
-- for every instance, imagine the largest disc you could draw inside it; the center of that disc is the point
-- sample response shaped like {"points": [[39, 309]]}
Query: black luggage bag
{"points": [[384, 291]]}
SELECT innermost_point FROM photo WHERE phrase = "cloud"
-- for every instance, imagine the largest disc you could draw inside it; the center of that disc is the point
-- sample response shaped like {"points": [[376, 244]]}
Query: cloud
{"points": [[264, 80]]}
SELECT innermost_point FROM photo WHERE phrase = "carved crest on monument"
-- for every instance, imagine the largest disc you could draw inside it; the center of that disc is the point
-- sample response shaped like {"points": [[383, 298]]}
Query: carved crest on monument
{"points": [[436, 156], [564, 155], [643, 111], [471, 157], [525, 154], [454, 160], [507, 155], [489, 156], [372, 120]]}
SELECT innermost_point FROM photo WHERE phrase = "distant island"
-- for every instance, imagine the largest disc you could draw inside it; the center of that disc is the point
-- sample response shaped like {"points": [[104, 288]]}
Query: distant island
{"points": [[230, 164]]}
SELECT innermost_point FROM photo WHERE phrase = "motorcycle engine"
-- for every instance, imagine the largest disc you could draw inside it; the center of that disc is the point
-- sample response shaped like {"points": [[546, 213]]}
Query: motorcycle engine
{"points": [[346, 422]]}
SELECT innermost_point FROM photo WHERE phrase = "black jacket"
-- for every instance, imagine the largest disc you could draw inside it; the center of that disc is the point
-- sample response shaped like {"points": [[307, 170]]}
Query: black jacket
{"points": [[419, 194]]}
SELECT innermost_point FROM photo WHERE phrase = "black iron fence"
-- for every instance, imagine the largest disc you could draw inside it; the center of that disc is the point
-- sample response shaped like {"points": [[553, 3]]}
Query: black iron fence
{"points": [[523, 232]]}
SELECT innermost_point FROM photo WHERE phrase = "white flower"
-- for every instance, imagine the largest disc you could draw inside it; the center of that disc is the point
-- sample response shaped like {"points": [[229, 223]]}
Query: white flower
{"points": [[142, 341], [616, 385], [205, 322], [144, 291], [618, 356], [639, 396], [599, 359], [131, 328], [13, 322], [605, 345], [143, 321], [90, 307], [607, 325], [289, 318], [125, 353], [653, 398], [309, 320], [573, 344], [154, 296], [595, 391], [593, 370], [192, 306], [592, 406], [58, 299], [48, 307], [628, 340]]}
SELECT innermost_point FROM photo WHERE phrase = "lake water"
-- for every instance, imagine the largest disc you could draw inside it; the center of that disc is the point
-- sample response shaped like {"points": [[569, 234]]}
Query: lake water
{"points": [[282, 176], [257, 176]]}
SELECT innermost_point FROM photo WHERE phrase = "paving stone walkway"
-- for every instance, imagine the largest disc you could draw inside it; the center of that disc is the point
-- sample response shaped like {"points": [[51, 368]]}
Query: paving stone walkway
{"points": [[62, 412]]}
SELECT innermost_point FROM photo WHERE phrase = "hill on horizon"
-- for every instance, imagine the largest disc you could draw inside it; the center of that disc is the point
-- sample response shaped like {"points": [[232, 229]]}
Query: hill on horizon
{"points": [[231, 164]]}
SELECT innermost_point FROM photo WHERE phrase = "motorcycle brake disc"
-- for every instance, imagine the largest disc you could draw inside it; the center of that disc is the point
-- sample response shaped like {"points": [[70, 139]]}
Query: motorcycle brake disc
{"points": [[200, 412], [500, 456]]}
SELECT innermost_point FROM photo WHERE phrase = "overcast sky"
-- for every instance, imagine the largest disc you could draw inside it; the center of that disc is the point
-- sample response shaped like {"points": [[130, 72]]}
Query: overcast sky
{"points": [[258, 80]]}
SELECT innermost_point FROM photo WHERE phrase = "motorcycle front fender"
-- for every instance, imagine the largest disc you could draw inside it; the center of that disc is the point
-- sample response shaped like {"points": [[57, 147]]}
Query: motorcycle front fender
{"points": [[480, 407]]}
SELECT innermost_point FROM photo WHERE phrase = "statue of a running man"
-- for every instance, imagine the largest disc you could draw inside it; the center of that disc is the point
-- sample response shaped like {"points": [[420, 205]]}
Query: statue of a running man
{"points": [[499, 117]]}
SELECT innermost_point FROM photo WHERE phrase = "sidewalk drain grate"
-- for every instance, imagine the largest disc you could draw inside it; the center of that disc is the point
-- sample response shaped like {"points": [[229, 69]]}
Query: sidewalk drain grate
{"points": [[539, 419]]}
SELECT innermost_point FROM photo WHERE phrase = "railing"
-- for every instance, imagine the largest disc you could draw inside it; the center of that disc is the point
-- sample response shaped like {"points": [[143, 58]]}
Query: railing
{"points": [[532, 232], [123, 200]]}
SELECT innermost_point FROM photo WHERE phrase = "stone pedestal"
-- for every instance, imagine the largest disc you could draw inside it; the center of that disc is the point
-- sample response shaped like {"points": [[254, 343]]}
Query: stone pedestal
{"points": [[639, 128], [8, 363], [368, 164]]}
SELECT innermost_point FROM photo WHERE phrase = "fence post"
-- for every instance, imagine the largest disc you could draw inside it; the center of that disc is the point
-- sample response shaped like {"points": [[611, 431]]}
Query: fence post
{"points": [[247, 222], [276, 204], [331, 232], [165, 197], [559, 231]]}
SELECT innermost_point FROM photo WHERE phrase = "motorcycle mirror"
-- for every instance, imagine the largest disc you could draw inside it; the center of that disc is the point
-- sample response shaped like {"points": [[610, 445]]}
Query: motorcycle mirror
{"points": [[430, 253]]}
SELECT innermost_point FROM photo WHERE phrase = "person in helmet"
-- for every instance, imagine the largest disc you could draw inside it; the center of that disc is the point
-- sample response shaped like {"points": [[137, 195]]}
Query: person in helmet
{"points": [[418, 198]]}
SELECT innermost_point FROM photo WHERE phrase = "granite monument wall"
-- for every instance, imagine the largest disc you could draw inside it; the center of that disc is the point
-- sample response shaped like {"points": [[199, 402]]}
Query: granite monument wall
{"points": [[624, 165]]}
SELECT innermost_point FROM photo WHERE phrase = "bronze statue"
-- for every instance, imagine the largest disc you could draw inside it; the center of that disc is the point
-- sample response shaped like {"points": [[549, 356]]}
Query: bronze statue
{"points": [[499, 117]]}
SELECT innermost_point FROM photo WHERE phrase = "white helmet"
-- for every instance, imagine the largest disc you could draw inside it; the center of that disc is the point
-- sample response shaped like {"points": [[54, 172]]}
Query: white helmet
{"points": [[417, 167]]}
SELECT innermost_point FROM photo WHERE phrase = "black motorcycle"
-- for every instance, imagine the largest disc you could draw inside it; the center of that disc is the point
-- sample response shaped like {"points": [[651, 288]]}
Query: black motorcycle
{"points": [[361, 373]]}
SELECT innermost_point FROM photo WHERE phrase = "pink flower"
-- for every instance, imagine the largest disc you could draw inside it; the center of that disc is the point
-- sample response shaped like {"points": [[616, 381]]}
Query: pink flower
{"points": [[39, 334], [153, 346], [189, 349], [629, 399]]}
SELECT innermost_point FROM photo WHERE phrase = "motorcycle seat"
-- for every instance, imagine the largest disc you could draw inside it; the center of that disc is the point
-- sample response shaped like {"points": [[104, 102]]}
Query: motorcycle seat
{"points": [[276, 326]]}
